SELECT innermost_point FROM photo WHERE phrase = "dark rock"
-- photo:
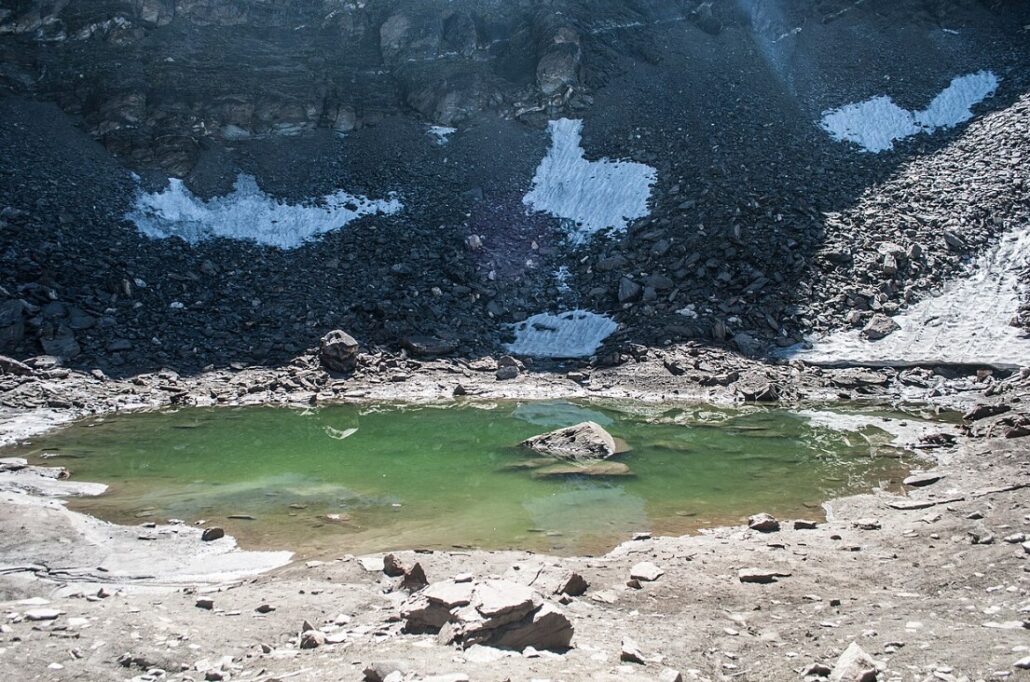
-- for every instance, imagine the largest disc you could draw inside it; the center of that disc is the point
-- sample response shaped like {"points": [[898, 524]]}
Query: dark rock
{"points": [[12, 324], [392, 567], [429, 346], [507, 373], [338, 351], [212, 533], [414, 579], [60, 342], [765, 523], [760, 576], [629, 290], [878, 327]]}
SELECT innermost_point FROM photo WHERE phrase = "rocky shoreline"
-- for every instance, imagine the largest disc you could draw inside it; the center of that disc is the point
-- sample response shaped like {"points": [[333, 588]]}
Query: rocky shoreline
{"points": [[930, 584]]}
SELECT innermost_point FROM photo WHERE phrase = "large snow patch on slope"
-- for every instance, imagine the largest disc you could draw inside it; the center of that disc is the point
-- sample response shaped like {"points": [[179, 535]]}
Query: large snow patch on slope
{"points": [[877, 123], [247, 213], [967, 324], [593, 195], [573, 334]]}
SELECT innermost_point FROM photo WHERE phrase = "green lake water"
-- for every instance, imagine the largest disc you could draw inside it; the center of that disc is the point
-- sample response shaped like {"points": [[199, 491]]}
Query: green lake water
{"points": [[360, 478]]}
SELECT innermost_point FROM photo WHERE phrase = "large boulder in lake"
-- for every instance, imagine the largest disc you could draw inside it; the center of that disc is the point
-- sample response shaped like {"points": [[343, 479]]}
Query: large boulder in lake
{"points": [[584, 442]]}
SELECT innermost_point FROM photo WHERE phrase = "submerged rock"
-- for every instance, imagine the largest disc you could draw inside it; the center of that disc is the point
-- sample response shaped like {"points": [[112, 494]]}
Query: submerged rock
{"points": [[584, 442], [600, 469]]}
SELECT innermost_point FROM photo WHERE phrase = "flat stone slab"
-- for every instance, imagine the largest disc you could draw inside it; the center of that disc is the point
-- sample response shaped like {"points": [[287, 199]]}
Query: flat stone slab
{"points": [[646, 570], [449, 593], [920, 480], [761, 576]]}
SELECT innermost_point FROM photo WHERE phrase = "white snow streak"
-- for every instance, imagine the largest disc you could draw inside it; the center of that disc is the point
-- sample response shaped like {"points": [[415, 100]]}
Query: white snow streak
{"points": [[247, 213], [573, 334], [968, 323], [593, 195], [876, 123]]}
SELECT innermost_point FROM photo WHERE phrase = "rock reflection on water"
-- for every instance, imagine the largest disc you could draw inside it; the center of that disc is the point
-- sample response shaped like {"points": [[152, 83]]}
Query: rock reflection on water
{"points": [[588, 508]]}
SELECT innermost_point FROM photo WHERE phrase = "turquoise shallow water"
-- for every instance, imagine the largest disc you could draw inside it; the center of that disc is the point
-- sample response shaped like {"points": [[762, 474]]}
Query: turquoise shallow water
{"points": [[358, 478]]}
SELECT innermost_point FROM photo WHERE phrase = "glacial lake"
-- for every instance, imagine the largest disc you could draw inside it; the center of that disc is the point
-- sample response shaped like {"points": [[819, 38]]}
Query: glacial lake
{"points": [[342, 479]]}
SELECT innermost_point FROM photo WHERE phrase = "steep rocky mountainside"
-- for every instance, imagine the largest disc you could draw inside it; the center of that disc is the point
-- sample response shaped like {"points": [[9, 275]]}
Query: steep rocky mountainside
{"points": [[762, 228]]}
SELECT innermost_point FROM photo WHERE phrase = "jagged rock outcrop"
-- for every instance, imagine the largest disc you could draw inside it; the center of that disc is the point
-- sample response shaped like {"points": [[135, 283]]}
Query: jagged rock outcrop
{"points": [[497, 613]]}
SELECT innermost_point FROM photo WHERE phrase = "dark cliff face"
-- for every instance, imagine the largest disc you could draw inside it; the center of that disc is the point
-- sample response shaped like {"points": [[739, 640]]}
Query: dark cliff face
{"points": [[152, 79]]}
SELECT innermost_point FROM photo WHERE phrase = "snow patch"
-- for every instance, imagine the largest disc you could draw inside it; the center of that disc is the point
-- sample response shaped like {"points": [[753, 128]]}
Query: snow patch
{"points": [[592, 195], [573, 334], [248, 214], [876, 123], [968, 323], [440, 133]]}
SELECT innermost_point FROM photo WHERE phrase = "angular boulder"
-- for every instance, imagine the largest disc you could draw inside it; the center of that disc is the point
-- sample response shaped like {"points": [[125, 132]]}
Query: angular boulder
{"points": [[338, 351], [878, 327], [584, 442], [855, 665], [429, 609], [496, 613]]}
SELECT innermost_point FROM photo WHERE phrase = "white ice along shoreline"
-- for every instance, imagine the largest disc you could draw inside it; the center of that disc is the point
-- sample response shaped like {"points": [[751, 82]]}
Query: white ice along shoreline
{"points": [[572, 334], [877, 123], [249, 214], [968, 323], [592, 195]]}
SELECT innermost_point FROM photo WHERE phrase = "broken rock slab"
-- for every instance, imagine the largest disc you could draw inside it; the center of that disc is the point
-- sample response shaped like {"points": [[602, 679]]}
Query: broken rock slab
{"points": [[495, 613], [584, 442]]}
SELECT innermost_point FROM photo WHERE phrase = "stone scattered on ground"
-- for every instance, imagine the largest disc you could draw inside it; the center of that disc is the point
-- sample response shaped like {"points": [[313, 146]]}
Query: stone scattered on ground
{"points": [[764, 523], [646, 571], [855, 665], [495, 613], [760, 575], [631, 652]]}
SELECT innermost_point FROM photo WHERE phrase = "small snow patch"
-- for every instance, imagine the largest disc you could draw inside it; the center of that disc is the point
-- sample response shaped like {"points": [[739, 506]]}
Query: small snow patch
{"points": [[877, 123], [562, 276], [968, 323], [593, 195], [574, 334], [440, 133], [248, 214]]}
